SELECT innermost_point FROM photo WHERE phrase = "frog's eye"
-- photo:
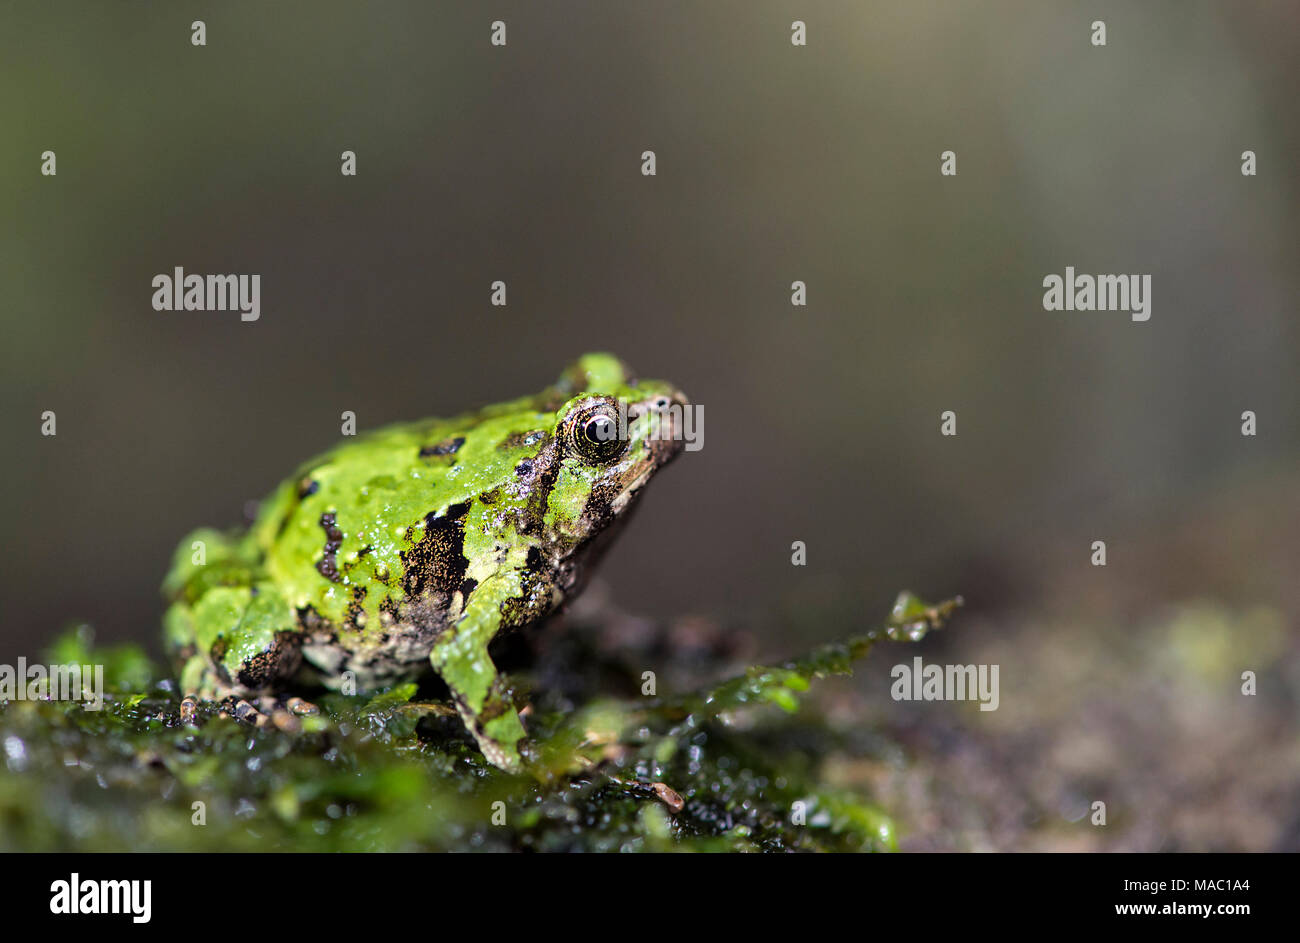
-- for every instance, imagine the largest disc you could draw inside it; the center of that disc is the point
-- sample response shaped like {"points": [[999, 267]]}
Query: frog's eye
{"points": [[595, 434]]}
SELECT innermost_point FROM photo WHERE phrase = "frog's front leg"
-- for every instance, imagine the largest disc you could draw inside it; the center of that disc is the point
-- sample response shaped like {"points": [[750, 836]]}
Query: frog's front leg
{"points": [[460, 656]]}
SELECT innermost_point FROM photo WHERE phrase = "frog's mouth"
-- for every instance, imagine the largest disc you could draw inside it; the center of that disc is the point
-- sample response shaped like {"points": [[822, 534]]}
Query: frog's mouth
{"points": [[633, 486]]}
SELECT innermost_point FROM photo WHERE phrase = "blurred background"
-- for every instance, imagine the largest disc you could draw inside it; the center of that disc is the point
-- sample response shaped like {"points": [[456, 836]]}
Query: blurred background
{"points": [[775, 163]]}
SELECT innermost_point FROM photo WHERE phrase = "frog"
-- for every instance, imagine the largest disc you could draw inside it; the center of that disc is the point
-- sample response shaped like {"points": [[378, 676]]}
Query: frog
{"points": [[410, 548]]}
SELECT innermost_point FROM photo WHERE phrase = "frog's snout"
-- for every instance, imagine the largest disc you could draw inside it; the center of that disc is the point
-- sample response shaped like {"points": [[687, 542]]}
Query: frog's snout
{"points": [[669, 424]]}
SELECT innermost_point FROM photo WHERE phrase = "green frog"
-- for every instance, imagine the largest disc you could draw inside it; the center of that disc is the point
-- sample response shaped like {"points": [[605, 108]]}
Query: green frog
{"points": [[412, 547]]}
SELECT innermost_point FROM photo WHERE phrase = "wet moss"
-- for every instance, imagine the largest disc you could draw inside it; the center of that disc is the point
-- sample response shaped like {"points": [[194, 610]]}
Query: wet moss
{"points": [[725, 767]]}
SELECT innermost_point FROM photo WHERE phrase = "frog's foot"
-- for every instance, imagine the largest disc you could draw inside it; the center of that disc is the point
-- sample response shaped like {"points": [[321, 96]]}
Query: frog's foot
{"points": [[278, 712], [496, 729], [266, 711], [243, 711], [230, 702], [296, 705]]}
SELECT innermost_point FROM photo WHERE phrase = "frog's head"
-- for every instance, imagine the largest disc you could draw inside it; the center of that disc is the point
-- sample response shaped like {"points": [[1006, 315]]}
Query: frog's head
{"points": [[612, 433]]}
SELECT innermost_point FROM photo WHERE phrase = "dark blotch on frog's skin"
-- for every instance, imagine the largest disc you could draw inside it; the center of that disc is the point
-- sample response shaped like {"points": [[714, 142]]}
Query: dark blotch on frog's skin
{"points": [[355, 607], [497, 706], [328, 565], [600, 502], [539, 478], [436, 565], [309, 620], [280, 660], [445, 447], [534, 597], [307, 487]]}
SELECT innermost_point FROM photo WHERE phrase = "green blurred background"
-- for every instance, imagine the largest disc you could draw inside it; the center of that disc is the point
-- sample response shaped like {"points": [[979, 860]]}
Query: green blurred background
{"points": [[775, 163]]}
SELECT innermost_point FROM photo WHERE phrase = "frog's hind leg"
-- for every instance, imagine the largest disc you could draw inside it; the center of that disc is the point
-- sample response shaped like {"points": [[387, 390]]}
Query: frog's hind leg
{"points": [[236, 644]]}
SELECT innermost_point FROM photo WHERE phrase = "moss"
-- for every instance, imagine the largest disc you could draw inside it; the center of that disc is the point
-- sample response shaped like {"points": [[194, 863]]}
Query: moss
{"points": [[395, 771]]}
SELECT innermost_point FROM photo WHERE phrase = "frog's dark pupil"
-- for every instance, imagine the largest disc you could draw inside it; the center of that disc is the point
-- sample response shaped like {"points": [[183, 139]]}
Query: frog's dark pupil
{"points": [[600, 429]]}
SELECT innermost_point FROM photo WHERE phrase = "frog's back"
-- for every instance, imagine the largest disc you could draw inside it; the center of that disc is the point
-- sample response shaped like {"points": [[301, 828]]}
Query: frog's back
{"points": [[346, 517]]}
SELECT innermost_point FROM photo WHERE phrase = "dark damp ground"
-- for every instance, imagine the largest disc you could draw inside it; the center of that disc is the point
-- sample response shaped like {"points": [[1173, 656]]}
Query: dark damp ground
{"points": [[1125, 722], [702, 763]]}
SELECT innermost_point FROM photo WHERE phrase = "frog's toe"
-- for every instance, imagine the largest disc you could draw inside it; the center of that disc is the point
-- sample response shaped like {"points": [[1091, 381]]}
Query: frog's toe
{"points": [[244, 712], [298, 706], [501, 757], [497, 739], [268, 711], [285, 713]]}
